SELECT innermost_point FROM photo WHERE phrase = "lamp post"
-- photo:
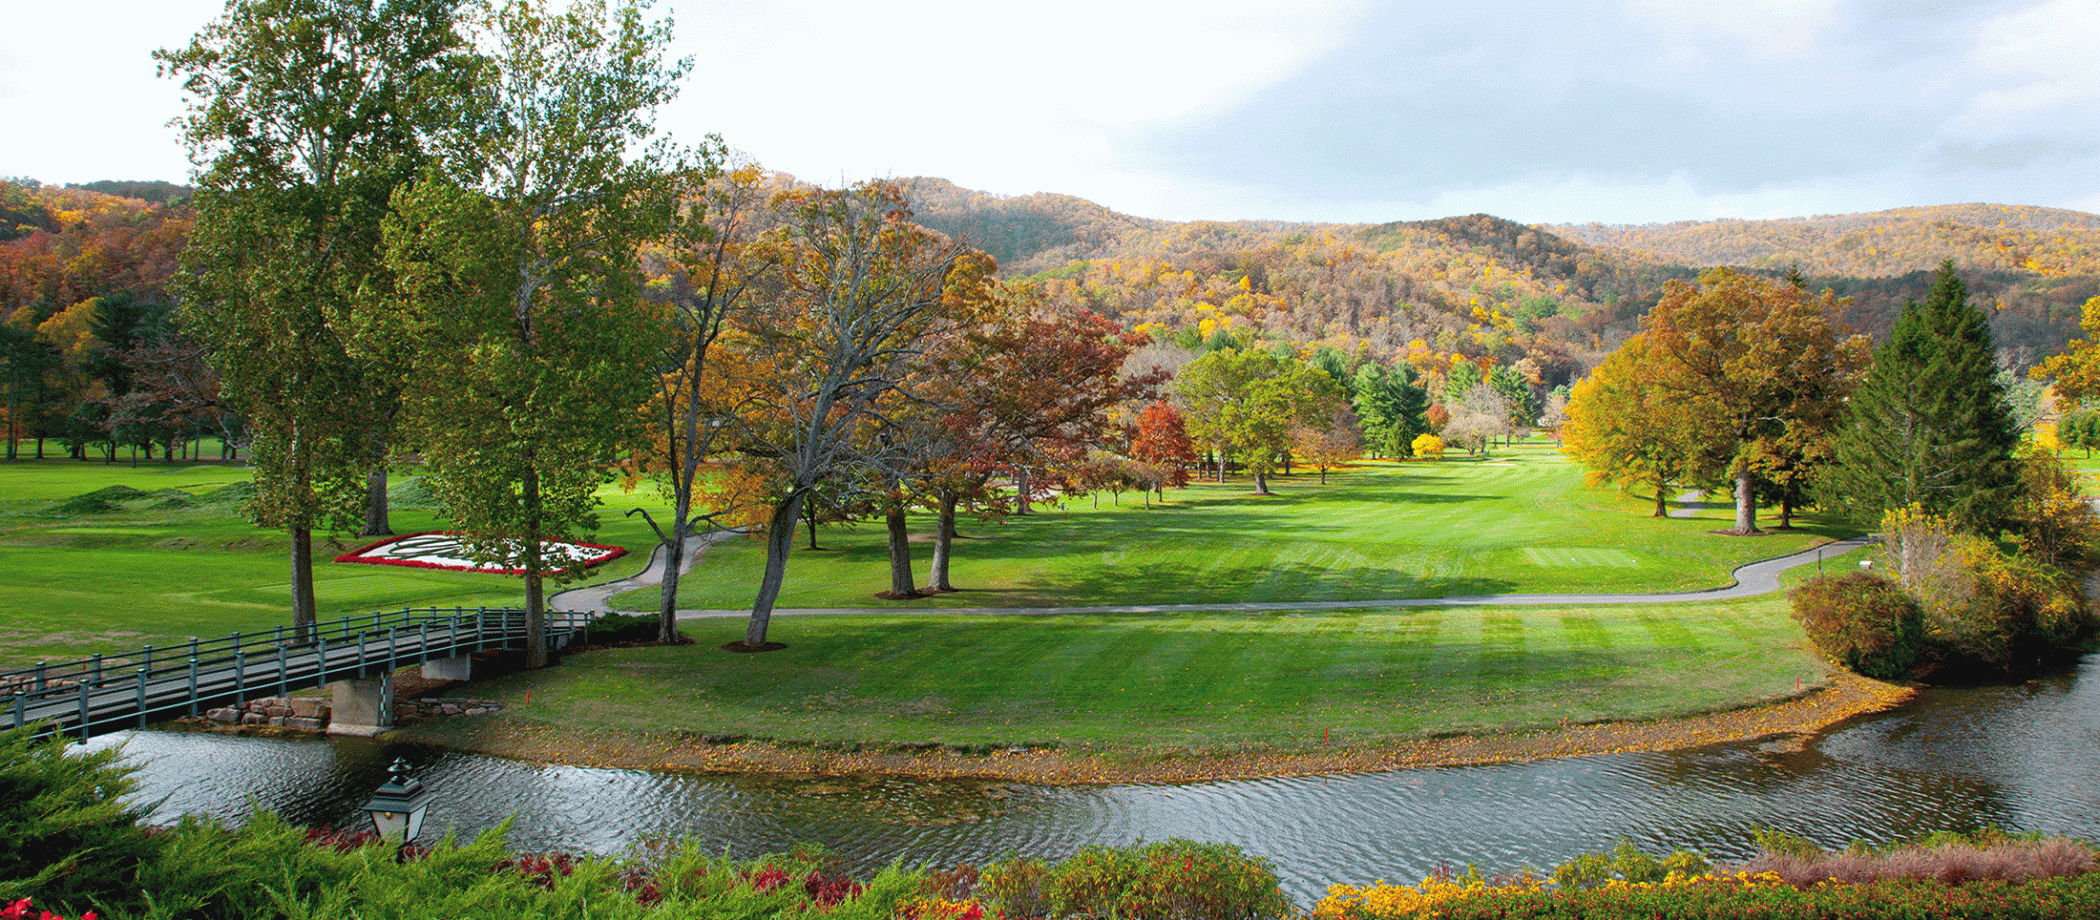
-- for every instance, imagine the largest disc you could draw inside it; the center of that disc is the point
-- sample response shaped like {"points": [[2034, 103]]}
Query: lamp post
{"points": [[397, 807]]}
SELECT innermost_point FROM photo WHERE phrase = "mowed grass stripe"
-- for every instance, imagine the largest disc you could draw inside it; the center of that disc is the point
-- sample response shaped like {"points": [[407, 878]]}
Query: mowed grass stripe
{"points": [[1503, 657], [1222, 678], [1585, 632], [1361, 654], [1670, 632]]}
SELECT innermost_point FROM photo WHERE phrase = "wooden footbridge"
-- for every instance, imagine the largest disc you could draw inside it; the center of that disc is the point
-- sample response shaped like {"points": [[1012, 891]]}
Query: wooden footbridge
{"points": [[358, 654]]}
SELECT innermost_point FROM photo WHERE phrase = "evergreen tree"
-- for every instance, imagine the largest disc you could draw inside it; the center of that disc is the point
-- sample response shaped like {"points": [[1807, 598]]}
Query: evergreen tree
{"points": [[1390, 405], [1929, 426]]}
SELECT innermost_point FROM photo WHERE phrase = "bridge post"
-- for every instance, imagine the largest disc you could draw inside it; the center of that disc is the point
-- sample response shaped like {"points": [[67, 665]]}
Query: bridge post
{"points": [[460, 668], [362, 707]]}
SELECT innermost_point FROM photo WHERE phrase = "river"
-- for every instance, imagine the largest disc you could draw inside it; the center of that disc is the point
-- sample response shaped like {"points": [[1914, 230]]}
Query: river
{"points": [[2025, 758]]}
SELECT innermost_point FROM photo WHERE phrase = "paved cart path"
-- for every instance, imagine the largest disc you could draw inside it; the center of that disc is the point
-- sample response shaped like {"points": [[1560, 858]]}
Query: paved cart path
{"points": [[1750, 580]]}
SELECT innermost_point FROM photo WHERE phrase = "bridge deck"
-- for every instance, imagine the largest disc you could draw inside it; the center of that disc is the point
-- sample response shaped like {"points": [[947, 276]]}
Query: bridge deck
{"points": [[109, 693]]}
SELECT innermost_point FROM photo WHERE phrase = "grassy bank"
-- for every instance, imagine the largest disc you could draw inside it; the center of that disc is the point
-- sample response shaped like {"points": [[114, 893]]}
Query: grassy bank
{"points": [[1520, 521], [1251, 693]]}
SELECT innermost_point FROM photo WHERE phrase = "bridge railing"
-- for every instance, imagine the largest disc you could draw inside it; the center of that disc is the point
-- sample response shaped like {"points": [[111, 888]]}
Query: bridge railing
{"points": [[108, 692]]}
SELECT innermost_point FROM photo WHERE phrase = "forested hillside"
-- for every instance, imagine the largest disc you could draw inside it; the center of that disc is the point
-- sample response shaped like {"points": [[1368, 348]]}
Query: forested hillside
{"points": [[2032, 267], [1481, 287], [1976, 236]]}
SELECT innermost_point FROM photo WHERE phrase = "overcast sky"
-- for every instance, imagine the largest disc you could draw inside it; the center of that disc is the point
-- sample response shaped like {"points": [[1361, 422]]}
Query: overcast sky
{"points": [[1331, 110]]}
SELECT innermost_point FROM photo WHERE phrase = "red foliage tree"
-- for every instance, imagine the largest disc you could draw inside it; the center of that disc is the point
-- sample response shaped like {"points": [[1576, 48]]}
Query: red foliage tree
{"points": [[1163, 439]]}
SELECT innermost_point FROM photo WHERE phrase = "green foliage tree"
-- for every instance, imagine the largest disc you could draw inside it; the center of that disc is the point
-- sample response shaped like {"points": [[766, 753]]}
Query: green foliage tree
{"points": [[1246, 404], [1928, 426], [308, 114], [519, 277], [25, 365], [2080, 429]]}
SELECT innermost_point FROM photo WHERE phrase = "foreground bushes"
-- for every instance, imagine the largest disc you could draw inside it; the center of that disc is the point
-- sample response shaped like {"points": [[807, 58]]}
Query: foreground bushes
{"points": [[1946, 876], [83, 856]]}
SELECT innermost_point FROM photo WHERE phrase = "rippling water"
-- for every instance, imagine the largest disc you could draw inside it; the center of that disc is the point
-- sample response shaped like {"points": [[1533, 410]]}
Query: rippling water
{"points": [[2025, 758]]}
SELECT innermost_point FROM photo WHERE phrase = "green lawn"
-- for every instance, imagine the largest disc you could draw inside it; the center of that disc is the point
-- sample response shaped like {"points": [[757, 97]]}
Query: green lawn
{"points": [[83, 583], [1521, 521], [1209, 680], [86, 582]]}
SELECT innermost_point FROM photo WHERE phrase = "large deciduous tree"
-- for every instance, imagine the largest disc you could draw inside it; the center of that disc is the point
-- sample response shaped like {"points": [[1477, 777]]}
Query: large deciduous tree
{"points": [[306, 116], [1762, 357], [1634, 434], [520, 278], [859, 292], [2076, 372], [708, 272], [1927, 426], [1025, 389]]}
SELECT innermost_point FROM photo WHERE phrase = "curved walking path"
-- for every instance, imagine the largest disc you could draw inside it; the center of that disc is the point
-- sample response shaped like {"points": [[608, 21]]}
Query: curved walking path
{"points": [[598, 597], [1750, 580]]}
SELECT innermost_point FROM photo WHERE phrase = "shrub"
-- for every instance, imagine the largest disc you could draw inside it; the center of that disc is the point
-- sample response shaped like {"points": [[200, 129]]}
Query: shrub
{"points": [[614, 628], [1173, 880], [1863, 622], [1983, 606], [1626, 863], [1016, 887], [1950, 859], [1428, 447], [73, 843]]}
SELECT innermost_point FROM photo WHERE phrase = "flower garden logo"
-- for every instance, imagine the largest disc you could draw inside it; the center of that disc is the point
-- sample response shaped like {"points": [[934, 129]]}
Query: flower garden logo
{"points": [[445, 550]]}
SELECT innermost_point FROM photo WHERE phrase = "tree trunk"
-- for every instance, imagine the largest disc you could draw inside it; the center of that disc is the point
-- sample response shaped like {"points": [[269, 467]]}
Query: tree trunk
{"points": [[901, 585], [943, 544], [535, 596], [1745, 504], [1786, 514], [303, 584], [1662, 504], [376, 520], [780, 538], [667, 605], [809, 516], [1021, 491], [1261, 482], [681, 514]]}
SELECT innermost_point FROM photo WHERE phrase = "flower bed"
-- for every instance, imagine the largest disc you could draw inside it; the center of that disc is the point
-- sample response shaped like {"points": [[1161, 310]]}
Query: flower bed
{"points": [[443, 550]]}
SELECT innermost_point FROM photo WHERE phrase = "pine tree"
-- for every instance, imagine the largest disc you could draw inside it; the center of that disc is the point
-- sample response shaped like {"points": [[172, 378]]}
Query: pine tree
{"points": [[1929, 426]]}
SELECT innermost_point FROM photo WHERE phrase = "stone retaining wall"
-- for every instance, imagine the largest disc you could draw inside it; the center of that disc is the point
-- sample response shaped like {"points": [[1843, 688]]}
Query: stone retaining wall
{"points": [[431, 707], [299, 713], [311, 715]]}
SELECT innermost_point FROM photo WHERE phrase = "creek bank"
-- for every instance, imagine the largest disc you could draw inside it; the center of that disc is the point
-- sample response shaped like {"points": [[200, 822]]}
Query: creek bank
{"points": [[1788, 719]]}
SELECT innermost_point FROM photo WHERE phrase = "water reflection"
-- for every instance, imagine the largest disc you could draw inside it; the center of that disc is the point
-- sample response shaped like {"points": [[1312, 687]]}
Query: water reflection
{"points": [[2019, 757]]}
